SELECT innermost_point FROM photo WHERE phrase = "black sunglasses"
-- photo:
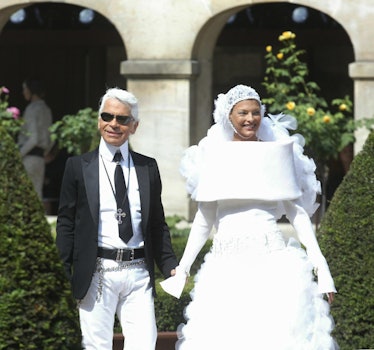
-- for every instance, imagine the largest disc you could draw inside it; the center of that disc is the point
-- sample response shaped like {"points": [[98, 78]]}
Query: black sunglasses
{"points": [[121, 119]]}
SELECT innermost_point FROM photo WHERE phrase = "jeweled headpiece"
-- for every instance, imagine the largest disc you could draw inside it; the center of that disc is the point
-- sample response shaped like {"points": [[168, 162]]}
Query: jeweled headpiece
{"points": [[225, 103]]}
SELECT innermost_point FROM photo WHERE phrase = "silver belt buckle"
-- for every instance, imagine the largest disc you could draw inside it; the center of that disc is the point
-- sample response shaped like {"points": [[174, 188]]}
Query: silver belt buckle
{"points": [[119, 255], [132, 254]]}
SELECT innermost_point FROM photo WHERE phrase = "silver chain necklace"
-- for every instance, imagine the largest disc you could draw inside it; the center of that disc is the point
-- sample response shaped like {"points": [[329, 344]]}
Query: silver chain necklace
{"points": [[119, 214]]}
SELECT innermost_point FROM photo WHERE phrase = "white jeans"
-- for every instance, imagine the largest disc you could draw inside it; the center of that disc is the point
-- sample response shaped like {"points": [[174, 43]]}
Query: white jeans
{"points": [[126, 293]]}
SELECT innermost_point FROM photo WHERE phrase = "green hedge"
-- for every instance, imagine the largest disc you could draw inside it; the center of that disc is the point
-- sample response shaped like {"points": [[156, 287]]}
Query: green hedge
{"points": [[169, 310], [346, 237], [36, 307]]}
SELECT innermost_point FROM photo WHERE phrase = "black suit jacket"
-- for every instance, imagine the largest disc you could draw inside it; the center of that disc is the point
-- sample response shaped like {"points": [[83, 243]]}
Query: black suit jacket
{"points": [[78, 219]]}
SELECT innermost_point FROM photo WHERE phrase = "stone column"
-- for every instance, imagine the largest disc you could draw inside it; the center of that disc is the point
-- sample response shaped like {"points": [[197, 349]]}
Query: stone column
{"points": [[164, 89], [362, 72]]}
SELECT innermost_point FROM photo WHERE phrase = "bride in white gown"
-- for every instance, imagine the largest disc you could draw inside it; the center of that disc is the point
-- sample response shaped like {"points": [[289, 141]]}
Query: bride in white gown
{"points": [[255, 290]]}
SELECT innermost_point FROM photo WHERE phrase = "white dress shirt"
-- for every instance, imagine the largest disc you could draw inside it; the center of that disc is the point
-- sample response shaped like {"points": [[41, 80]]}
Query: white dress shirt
{"points": [[108, 224]]}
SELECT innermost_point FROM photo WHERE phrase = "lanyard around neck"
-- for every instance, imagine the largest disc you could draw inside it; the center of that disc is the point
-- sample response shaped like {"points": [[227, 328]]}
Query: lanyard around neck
{"points": [[128, 177]]}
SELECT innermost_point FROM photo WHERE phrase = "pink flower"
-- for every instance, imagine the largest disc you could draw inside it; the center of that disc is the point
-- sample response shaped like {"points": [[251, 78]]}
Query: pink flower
{"points": [[15, 112], [5, 90]]}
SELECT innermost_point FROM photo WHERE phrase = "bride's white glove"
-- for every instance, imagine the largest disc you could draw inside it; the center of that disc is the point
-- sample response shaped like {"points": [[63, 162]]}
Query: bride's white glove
{"points": [[200, 230], [300, 220], [174, 285]]}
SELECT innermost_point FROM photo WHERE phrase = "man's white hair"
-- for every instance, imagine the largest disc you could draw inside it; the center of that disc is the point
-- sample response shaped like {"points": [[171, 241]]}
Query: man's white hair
{"points": [[125, 97]]}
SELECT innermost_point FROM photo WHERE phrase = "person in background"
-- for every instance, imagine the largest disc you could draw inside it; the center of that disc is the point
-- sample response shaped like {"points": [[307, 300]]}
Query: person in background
{"points": [[256, 288], [111, 231], [34, 138]]}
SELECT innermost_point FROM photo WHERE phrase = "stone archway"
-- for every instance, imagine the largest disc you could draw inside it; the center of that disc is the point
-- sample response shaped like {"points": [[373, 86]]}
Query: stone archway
{"points": [[358, 32], [168, 65], [76, 62], [228, 57], [214, 34]]}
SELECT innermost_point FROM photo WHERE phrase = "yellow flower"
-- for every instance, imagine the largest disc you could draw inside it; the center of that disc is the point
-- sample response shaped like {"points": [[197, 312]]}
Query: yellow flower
{"points": [[326, 119], [343, 107], [287, 35], [268, 48], [290, 105], [279, 55], [311, 111]]}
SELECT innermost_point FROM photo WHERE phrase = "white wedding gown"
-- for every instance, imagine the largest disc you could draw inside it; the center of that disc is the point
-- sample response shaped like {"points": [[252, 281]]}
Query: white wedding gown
{"points": [[255, 290]]}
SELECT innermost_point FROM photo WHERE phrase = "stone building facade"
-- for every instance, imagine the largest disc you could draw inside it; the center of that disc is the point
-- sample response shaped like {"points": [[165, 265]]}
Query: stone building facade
{"points": [[169, 47]]}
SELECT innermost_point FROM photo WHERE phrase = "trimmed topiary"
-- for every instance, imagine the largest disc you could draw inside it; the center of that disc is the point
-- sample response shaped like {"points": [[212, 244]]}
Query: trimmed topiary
{"points": [[36, 307], [346, 237], [169, 310]]}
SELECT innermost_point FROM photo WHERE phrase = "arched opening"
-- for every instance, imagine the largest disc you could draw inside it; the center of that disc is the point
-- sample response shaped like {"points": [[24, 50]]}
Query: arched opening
{"points": [[76, 62], [237, 39], [240, 48]]}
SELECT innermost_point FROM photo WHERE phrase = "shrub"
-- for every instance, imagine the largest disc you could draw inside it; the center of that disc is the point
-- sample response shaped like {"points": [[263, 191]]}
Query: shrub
{"points": [[9, 116], [326, 127], [36, 308], [77, 133], [169, 310], [346, 237]]}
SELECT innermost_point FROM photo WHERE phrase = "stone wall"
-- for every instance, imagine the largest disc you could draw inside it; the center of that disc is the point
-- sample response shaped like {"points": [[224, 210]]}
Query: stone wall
{"points": [[170, 46]]}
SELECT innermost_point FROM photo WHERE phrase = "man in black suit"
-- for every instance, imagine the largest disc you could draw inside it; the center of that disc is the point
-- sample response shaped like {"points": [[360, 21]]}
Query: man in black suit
{"points": [[111, 230]]}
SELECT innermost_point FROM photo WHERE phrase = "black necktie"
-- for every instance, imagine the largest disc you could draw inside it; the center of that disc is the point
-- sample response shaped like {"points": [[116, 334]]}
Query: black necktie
{"points": [[123, 208]]}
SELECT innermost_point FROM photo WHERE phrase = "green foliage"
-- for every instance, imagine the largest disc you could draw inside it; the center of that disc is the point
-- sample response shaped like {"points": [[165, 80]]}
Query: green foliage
{"points": [[77, 133], [9, 116], [36, 307], [327, 128], [169, 310], [346, 237]]}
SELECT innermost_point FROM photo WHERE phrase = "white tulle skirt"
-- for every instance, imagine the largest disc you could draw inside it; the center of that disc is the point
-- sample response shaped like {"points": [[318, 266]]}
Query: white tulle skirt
{"points": [[256, 294]]}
